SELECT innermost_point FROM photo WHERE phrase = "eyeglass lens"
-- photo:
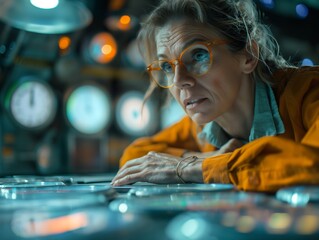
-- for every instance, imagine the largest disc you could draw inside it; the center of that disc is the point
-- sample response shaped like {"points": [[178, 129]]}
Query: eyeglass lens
{"points": [[196, 59]]}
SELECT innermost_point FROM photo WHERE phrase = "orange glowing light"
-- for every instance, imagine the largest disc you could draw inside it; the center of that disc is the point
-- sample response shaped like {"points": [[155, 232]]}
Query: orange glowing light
{"points": [[103, 48], [117, 4], [64, 43], [124, 23], [125, 19], [107, 49], [57, 225]]}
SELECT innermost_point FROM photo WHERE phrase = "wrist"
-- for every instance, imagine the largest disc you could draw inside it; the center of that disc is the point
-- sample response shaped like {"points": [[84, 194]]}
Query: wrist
{"points": [[189, 169]]}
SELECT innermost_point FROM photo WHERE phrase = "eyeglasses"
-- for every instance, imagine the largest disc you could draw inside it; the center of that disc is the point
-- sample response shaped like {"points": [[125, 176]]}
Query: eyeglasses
{"points": [[196, 59]]}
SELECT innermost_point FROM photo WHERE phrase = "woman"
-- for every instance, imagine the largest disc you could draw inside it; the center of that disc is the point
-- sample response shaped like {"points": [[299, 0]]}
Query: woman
{"points": [[252, 118]]}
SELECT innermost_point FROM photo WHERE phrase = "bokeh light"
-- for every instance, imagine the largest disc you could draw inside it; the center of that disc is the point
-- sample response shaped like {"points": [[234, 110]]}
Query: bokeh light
{"points": [[302, 10], [307, 62], [48, 4], [103, 48], [64, 42], [268, 3]]}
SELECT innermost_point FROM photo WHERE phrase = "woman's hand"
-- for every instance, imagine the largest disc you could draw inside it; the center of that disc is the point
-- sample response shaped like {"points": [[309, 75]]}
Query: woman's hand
{"points": [[155, 168], [160, 168]]}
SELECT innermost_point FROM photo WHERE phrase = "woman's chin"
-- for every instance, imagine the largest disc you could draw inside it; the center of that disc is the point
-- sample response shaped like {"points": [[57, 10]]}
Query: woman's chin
{"points": [[200, 119]]}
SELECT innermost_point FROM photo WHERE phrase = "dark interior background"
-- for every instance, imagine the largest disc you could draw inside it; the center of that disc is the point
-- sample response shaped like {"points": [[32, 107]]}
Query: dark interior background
{"points": [[59, 148]]}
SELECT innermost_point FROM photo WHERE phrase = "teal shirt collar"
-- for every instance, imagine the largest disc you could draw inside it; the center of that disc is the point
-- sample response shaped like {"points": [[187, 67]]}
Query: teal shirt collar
{"points": [[266, 122]]}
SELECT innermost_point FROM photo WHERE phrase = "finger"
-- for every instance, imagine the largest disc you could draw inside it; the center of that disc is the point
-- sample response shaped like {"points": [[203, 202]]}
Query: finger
{"points": [[127, 171], [133, 162], [150, 156], [128, 179], [130, 164], [145, 160]]}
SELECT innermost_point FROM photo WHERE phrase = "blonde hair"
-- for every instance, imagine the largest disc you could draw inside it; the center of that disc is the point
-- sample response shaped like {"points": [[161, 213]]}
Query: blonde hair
{"points": [[237, 20]]}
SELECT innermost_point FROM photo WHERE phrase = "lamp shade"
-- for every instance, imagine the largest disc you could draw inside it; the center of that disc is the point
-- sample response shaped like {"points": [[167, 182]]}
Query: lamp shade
{"points": [[67, 16]]}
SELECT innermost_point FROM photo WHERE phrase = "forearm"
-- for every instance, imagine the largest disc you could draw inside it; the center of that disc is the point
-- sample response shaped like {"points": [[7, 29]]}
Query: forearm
{"points": [[266, 164], [174, 140]]}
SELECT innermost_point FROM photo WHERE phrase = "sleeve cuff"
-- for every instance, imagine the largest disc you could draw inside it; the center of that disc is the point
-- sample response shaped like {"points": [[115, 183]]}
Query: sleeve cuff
{"points": [[215, 169]]}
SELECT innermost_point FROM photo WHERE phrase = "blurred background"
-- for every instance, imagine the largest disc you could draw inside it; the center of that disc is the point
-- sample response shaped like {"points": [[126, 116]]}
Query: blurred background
{"points": [[72, 80]]}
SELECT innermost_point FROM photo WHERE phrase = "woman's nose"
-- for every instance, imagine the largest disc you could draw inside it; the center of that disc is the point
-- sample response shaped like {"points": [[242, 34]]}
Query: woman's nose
{"points": [[182, 79]]}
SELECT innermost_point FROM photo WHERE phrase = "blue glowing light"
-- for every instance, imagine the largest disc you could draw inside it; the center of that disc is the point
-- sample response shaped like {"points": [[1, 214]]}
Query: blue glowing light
{"points": [[307, 62], [302, 10], [268, 3]]}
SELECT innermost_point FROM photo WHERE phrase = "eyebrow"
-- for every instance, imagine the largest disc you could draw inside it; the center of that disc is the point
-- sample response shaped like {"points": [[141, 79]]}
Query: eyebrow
{"points": [[185, 45]]}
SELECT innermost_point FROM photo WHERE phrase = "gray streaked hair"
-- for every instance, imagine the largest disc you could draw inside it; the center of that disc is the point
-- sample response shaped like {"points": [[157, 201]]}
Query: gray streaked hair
{"points": [[237, 20]]}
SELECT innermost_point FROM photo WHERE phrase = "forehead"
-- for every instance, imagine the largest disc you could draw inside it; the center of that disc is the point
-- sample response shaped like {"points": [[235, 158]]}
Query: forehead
{"points": [[178, 34]]}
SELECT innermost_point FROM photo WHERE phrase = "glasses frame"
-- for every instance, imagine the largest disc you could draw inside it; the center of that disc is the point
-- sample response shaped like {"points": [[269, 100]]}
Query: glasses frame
{"points": [[174, 62]]}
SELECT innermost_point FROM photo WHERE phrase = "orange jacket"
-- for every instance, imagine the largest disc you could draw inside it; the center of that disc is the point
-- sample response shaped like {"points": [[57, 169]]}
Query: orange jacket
{"points": [[265, 164]]}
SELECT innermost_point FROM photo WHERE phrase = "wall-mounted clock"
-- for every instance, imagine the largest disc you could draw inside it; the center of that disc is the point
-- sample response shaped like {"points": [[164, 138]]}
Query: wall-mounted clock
{"points": [[31, 103], [88, 108]]}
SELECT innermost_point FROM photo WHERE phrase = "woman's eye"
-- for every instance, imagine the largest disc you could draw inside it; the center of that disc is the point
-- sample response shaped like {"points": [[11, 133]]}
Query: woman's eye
{"points": [[200, 55], [166, 67]]}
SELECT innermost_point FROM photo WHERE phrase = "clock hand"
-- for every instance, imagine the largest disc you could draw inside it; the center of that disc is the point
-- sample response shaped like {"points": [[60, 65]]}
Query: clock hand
{"points": [[32, 97]]}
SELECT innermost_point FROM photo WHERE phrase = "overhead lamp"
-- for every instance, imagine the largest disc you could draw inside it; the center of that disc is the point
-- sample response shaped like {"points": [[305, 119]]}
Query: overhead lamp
{"points": [[45, 16], [45, 4]]}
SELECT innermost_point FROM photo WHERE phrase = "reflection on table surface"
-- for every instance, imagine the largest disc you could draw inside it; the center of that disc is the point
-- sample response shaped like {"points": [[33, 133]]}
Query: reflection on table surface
{"points": [[88, 207]]}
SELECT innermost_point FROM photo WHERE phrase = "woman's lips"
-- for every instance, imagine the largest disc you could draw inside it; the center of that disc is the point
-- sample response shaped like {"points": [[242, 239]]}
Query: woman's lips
{"points": [[191, 104]]}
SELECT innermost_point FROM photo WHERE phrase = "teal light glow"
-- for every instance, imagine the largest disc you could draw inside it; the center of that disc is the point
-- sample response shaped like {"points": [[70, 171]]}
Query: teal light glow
{"points": [[88, 109], [45, 4]]}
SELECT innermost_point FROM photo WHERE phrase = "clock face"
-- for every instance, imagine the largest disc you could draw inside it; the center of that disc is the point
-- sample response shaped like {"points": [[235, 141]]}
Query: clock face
{"points": [[88, 109], [132, 117], [32, 104]]}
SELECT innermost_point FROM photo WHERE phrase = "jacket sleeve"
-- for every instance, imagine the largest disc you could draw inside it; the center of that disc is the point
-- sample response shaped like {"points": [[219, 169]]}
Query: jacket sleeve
{"points": [[272, 162], [174, 140], [266, 164]]}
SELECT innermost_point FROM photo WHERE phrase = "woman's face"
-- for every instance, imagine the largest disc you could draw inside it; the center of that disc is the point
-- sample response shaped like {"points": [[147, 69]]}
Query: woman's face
{"points": [[209, 96]]}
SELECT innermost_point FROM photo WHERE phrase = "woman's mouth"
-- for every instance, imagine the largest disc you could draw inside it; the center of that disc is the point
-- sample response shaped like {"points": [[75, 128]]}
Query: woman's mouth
{"points": [[194, 103]]}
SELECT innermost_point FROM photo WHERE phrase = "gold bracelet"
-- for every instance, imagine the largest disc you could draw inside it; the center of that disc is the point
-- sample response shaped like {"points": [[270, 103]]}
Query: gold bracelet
{"points": [[179, 173]]}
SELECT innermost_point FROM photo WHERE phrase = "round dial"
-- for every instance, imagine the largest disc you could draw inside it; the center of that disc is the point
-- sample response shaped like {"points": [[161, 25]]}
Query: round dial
{"points": [[88, 109], [32, 104], [132, 117]]}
